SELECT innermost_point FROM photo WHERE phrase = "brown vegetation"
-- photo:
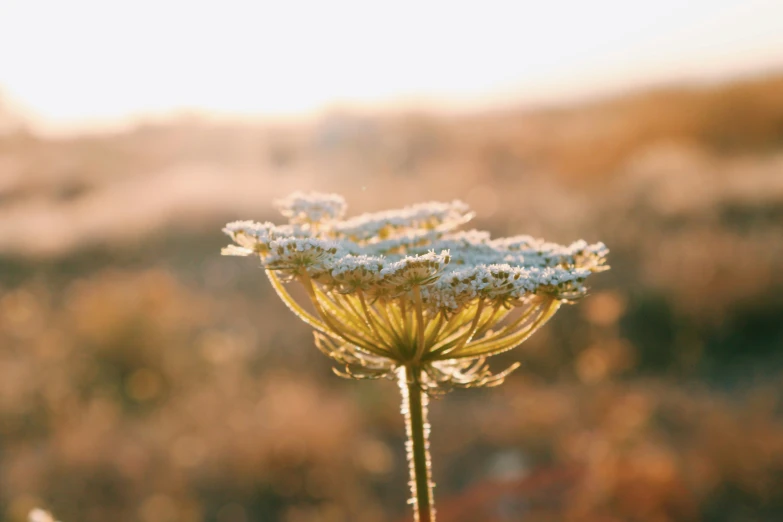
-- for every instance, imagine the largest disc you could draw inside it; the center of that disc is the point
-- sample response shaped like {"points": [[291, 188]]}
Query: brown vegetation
{"points": [[144, 378]]}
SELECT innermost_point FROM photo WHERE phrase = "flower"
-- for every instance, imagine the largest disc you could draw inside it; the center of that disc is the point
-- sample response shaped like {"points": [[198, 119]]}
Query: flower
{"points": [[404, 288], [403, 293], [311, 208]]}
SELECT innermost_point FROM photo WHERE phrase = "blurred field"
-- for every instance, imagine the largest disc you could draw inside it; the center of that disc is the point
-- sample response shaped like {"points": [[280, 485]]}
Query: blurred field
{"points": [[143, 377]]}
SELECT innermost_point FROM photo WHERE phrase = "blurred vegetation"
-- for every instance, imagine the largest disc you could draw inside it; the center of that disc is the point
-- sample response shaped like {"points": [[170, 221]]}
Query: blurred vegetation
{"points": [[144, 378]]}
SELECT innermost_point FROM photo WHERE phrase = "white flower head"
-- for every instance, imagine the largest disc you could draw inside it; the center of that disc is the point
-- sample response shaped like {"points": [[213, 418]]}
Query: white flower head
{"points": [[296, 256], [405, 287], [358, 273], [412, 271], [311, 207], [423, 217], [250, 236]]}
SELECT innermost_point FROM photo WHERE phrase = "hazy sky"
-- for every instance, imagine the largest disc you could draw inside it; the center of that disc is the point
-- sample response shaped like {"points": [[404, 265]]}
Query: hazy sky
{"points": [[72, 62]]}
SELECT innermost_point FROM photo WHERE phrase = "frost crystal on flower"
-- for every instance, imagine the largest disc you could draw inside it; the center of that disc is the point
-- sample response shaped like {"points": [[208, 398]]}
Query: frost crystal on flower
{"points": [[424, 217], [312, 207], [404, 288]]}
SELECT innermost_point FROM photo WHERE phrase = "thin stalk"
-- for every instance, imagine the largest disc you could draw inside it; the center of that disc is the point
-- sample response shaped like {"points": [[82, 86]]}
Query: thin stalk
{"points": [[433, 328], [370, 318], [420, 325], [493, 318], [362, 319], [335, 326], [464, 339], [495, 345], [406, 319], [505, 332], [414, 408], [293, 305], [391, 320]]}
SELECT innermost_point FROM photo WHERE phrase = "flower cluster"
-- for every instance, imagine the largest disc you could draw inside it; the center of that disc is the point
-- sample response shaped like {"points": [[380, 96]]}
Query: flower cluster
{"points": [[403, 288], [311, 208]]}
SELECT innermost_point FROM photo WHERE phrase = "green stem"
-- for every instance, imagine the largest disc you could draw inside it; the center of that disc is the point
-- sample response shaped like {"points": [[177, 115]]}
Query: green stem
{"points": [[414, 408]]}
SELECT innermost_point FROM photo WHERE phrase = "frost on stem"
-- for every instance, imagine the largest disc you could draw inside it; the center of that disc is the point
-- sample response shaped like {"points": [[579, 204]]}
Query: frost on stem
{"points": [[417, 429]]}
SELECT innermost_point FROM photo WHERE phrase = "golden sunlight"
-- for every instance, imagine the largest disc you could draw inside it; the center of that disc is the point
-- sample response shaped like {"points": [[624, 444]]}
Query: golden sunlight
{"points": [[86, 62]]}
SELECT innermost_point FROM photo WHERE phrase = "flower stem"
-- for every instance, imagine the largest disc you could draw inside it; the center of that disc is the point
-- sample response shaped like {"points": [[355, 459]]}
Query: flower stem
{"points": [[414, 408]]}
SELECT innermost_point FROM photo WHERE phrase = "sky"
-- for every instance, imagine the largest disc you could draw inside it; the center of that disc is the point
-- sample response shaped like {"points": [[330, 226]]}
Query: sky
{"points": [[77, 63]]}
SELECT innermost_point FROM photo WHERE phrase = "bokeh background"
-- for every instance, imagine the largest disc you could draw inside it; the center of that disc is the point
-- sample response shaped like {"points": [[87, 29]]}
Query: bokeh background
{"points": [[145, 378]]}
